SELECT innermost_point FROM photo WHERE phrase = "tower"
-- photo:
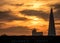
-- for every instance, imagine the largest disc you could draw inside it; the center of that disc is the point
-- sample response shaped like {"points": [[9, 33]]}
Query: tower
{"points": [[33, 32], [51, 29]]}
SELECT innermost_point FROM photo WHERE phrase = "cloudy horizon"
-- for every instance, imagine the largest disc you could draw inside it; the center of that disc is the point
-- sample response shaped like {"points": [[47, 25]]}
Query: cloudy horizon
{"points": [[21, 17]]}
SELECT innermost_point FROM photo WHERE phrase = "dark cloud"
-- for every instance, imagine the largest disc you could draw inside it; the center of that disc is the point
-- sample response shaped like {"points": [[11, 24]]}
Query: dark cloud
{"points": [[57, 15], [3, 2], [57, 12], [16, 4], [1, 24], [58, 28], [56, 6], [57, 23], [19, 29], [28, 5], [39, 14], [7, 16], [12, 4]]}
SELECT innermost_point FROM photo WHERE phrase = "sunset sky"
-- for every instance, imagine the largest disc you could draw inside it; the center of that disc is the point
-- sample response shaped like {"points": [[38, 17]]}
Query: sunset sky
{"points": [[20, 17]]}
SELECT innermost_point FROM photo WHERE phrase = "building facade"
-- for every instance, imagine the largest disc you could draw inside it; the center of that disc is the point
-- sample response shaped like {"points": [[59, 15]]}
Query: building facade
{"points": [[34, 33]]}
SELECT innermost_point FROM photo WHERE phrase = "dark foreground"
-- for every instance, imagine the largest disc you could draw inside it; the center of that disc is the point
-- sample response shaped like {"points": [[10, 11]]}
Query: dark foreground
{"points": [[29, 39]]}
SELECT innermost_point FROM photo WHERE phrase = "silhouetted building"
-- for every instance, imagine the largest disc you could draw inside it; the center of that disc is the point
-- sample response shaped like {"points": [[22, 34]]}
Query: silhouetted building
{"points": [[34, 33], [4, 35], [51, 29]]}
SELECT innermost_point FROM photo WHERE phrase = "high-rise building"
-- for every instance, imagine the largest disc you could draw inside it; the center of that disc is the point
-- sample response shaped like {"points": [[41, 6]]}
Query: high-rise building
{"points": [[51, 29], [34, 33]]}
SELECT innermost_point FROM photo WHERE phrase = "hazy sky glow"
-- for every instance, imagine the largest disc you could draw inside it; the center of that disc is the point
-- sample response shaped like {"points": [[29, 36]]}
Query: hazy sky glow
{"points": [[19, 17]]}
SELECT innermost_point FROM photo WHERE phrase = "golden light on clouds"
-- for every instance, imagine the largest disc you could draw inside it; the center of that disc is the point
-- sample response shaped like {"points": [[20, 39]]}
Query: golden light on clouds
{"points": [[35, 5], [33, 21]]}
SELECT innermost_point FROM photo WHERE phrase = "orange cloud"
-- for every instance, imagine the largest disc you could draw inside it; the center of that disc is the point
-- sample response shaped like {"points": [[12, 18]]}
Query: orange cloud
{"points": [[32, 21]]}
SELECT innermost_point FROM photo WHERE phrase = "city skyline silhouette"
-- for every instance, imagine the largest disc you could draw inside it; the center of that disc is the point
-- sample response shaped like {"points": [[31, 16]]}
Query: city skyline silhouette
{"points": [[51, 28], [21, 17]]}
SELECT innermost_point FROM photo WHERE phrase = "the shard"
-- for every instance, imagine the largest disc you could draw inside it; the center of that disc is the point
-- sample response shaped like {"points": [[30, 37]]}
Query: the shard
{"points": [[51, 29]]}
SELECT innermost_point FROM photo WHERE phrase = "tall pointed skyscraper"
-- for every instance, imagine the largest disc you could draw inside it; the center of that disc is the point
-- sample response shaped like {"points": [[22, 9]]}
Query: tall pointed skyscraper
{"points": [[51, 29]]}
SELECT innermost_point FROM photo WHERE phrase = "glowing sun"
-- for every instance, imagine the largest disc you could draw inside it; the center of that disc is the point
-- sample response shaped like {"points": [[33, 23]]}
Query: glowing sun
{"points": [[34, 4]]}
